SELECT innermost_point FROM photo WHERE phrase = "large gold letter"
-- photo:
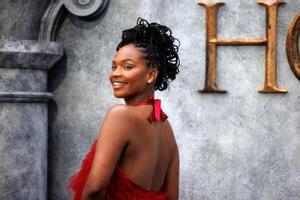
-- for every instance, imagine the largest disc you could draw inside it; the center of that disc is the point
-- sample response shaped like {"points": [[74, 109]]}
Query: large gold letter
{"points": [[212, 42], [292, 48]]}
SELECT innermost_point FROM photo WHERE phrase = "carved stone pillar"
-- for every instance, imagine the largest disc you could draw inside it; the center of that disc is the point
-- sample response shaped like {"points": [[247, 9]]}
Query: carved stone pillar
{"points": [[24, 63], [27, 52], [23, 117]]}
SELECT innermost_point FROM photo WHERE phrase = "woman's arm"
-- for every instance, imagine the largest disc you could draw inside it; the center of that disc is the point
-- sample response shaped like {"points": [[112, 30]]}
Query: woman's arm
{"points": [[172, 177], [113, 136]]}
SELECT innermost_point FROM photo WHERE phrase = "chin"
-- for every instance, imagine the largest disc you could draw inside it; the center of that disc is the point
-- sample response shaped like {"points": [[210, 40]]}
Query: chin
{"points": [[119, 94]]}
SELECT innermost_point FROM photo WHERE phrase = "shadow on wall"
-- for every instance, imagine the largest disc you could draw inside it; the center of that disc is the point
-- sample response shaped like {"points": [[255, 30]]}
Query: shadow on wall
{"points": [[56, 76]]}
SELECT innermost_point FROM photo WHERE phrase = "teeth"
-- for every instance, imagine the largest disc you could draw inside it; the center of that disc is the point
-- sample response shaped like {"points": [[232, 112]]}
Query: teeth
{"points": [[119, 83]]}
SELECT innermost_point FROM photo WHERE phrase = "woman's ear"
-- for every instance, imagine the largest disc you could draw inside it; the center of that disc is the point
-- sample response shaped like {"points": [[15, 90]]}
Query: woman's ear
{"points": [[152, 75]]}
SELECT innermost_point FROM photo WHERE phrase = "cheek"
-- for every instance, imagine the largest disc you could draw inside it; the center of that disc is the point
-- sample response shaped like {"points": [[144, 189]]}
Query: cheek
{"points": [[138, 77]]}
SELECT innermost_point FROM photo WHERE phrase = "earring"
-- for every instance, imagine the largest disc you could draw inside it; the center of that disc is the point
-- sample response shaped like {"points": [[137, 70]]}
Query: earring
{"points": [[149, 81]]}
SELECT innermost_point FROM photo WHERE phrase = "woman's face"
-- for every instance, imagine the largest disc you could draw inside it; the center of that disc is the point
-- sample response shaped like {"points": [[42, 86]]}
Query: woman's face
{"points": [[129, 72]]}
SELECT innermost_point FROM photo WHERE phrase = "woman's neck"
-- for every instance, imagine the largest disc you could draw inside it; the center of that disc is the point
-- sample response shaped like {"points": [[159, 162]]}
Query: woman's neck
{"points": [[138, 98]]}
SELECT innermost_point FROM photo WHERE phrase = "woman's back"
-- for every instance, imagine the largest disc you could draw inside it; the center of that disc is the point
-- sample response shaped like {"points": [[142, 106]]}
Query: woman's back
{"points": [[148, 165], [148, 154]]}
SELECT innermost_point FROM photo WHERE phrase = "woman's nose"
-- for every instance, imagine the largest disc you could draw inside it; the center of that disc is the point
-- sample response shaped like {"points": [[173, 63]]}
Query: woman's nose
{"points": [[117, 72]]}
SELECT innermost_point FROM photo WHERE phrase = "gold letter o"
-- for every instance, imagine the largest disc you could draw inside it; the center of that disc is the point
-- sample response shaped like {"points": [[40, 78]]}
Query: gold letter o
{"points": [[292, 46]]}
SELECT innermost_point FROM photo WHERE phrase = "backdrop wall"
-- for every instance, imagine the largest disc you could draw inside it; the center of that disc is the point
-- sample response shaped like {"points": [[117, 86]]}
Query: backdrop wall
{"points": [[241, 145]]}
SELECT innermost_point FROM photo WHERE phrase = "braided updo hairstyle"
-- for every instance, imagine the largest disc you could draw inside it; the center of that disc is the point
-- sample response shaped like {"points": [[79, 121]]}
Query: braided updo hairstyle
{"points": [[159, 48]]}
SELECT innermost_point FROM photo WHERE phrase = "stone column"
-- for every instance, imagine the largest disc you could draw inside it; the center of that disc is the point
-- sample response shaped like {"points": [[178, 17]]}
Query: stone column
{"points": [[23, 117], [24, 63], [27, 52]]}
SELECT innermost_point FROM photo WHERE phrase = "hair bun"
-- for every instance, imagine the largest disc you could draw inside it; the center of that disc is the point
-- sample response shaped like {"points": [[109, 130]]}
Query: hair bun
{"points": [[159, 47]]}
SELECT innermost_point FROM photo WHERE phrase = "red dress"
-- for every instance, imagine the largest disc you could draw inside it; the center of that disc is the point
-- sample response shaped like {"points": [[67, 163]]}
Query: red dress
{"points": [[120, 186]]}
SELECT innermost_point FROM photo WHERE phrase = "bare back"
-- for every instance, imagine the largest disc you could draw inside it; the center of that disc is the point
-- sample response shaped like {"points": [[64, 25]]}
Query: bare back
{"points": [[147, 156]]}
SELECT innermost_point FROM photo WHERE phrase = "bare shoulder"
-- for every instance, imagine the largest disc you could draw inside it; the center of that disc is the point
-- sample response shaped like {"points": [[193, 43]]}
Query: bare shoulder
{"points": [[117, 123], [117, 110], [120, 115]]}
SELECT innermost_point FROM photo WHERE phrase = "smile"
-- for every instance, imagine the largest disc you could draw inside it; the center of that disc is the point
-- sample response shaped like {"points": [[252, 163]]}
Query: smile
{"points": [[118, 84]]}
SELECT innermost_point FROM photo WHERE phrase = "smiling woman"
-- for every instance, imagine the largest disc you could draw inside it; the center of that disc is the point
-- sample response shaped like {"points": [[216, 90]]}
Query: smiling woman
{"points": [[129, 74], [135, 158]]}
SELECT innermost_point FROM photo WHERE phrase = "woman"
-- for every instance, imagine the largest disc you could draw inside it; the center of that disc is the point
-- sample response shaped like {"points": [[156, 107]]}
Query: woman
{"points": [[136, 155]]}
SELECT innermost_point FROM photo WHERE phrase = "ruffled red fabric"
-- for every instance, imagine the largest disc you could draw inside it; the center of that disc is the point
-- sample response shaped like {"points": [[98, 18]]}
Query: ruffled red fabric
{"points": [[121, 187], [78, 180]]}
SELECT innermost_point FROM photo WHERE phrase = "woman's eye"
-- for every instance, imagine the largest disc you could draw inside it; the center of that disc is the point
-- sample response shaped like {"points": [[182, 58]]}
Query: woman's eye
{"points": [[113, 67], [128, 67]]}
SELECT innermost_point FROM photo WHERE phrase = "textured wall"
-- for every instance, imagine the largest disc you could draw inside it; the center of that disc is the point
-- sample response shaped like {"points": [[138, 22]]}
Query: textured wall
{"points": [[20, 19], [23, 95], [23, 140], [239, 145]]}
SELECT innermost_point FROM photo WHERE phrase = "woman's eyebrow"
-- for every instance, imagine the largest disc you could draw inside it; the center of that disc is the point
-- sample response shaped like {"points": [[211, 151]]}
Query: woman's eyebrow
{"points": [[122, 61], [127, 59]]}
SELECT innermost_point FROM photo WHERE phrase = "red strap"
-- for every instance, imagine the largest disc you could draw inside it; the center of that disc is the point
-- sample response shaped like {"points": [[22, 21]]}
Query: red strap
{"points": [[157, 113]]}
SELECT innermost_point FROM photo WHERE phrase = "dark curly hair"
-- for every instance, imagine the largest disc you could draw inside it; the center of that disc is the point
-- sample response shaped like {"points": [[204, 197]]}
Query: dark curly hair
{"points": [[159, 48]]}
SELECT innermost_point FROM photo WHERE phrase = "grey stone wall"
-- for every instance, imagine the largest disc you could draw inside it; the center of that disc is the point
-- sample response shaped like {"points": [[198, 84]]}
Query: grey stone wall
{"points": [[23, 144], [239, 145], [20, 19], [24, 62]]}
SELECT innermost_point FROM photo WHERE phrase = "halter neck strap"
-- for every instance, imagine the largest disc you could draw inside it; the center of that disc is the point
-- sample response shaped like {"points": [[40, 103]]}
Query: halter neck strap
{"points": [[157, 113]]}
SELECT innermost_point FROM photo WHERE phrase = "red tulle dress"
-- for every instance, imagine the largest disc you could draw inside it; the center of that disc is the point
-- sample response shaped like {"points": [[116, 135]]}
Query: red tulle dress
{"points": [[121, 187]]}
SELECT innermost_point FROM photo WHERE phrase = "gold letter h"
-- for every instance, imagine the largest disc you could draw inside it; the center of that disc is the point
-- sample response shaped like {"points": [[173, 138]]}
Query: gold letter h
{"points": [[270, 85]]}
